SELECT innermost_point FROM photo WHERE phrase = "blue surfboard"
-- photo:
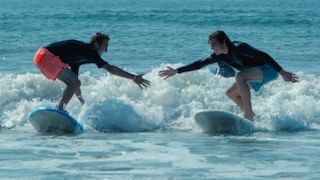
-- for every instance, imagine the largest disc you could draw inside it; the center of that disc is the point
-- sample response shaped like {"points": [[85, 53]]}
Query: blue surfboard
{"points": [[50, 120]]}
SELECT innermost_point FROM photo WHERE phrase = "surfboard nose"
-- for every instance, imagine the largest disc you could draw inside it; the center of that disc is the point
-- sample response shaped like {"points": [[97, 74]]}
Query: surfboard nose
{"points": [[49, 120]]}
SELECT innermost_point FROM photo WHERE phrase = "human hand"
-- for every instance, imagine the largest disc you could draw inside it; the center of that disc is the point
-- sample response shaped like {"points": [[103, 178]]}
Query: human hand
{"points": [[168, 72], [288, 76], [140, 81]]}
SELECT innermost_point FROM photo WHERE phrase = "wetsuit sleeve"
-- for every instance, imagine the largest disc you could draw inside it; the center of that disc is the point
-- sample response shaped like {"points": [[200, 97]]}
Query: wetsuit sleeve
{"points": [[269, 60], [260, 56], [197, 65]]}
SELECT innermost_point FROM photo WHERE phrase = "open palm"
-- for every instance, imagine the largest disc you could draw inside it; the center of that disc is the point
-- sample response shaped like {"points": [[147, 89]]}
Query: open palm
{"points": [[168, 72]]}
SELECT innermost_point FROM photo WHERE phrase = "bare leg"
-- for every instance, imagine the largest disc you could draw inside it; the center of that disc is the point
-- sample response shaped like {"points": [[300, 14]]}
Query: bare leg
{"points": [[73, 84], [233, 94], [250, 75], [245, 95]]}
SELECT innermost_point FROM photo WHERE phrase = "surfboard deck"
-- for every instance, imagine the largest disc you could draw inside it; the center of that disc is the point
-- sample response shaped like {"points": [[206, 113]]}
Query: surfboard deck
{"points": [[50, 120], [220, 122]]}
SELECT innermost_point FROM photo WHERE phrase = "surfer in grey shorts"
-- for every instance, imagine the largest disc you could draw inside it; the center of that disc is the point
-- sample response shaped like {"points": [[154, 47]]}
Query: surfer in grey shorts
{"points": [[255, 67]]}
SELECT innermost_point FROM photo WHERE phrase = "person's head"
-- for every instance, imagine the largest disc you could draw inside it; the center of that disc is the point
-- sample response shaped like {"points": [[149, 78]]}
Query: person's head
{"points": [[220, 42], [100, 42]]}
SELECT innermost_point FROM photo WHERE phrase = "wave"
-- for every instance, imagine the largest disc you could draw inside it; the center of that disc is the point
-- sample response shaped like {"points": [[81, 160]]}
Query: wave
{"points": [[115, 104]]}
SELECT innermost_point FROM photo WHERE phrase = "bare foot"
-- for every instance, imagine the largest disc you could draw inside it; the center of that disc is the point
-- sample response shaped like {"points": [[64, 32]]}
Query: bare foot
{"points": [[249, 116]]}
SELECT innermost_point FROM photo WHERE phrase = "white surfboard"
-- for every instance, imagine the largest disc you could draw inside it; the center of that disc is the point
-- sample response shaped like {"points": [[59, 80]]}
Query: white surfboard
{"points": [[219, 122], [49, 120]]}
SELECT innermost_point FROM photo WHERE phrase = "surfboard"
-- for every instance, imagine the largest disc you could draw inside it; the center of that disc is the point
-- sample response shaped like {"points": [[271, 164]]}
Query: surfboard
{"points": [[220, 122], [50, 120]]}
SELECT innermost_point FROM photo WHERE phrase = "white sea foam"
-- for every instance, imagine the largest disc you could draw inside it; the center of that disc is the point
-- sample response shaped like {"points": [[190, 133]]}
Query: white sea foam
{"points": [[117, 104]]}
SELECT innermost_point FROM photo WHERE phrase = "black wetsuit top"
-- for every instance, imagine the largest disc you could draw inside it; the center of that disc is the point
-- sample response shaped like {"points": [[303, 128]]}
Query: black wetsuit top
{"points": [[75, 53], [240, 57]]}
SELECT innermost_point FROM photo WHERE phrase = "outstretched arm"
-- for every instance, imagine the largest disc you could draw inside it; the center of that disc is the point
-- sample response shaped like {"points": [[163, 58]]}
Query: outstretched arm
{"points": [[266, 58], [138, 79], [190, 67]]}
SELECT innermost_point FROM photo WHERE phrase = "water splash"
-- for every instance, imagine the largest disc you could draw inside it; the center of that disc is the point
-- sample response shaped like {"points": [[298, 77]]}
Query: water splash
{"points": [[117, 104]]}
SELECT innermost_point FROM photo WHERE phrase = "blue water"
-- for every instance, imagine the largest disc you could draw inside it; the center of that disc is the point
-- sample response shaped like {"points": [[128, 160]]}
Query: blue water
{"points": [[151, 134]]}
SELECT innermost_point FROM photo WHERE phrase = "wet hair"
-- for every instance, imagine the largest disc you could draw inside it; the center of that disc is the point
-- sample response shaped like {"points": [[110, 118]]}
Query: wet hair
{"points": [[99, 37], [221, 36]]}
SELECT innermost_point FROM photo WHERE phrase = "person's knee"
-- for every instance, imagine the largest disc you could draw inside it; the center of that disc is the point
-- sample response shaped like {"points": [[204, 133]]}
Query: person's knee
{"points": [[231, 93], [239, 77]]}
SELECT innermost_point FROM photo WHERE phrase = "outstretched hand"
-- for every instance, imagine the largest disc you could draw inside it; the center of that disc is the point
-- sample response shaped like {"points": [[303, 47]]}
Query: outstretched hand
{"points": [[168, 72], [288, 76], [141, 82]]}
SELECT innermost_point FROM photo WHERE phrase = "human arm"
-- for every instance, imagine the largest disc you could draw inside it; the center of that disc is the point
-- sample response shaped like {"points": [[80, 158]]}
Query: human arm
{"points": [[94, 57], [257, 56], [138, 79], [267, 59], [287, 76], [190, 67]]}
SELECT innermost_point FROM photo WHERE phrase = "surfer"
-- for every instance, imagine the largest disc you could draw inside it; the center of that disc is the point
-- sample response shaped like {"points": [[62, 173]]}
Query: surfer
{"points": [[256, 68], [62, 60]]}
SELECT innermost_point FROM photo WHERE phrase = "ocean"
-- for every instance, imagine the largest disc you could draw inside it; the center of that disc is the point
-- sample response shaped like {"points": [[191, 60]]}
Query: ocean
{"points": [[151, 134]]}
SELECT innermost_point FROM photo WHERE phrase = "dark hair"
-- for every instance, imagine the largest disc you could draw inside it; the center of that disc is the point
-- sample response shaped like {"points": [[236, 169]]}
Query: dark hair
{"points": [[221, 36], [99, 37]]}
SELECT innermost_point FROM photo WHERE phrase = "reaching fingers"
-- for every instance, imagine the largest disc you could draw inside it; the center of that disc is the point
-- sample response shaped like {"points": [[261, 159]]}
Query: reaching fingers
{"points": [[167, 77], [145, 85], [170, 68], [168, 72], [292, 77], [295, 79], [146, 82], [142, 83], [163, 73]]}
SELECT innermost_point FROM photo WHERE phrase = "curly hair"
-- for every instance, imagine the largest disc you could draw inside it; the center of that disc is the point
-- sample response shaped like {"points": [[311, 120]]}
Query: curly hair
{"points": [[99, 37]]}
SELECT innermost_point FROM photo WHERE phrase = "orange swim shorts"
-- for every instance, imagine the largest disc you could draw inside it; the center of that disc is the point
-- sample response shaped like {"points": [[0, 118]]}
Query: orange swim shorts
{"points": [[49, 64]]}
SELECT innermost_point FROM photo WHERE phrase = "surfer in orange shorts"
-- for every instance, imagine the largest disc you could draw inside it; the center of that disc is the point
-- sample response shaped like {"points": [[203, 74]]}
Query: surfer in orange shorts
{"points": [[61, 60]]}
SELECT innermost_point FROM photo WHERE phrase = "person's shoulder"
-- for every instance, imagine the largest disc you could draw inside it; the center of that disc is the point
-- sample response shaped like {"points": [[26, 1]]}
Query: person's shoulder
{"points": [[240, 44], [69, 42], [244, 47], [81, 44], [212, 56], [74, 41], [61, 43]]}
